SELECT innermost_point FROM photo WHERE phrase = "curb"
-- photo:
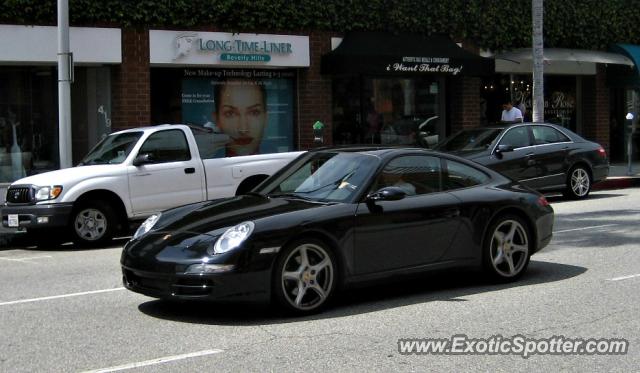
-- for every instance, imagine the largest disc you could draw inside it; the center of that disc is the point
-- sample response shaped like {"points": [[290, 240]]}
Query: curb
{"points": [[618, 182]]}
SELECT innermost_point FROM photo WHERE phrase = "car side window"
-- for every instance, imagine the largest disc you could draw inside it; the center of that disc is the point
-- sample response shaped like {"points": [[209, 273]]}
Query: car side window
{"points": [[517, 137], [458, 175], [547, 135], [415, 174], [166, 146]]}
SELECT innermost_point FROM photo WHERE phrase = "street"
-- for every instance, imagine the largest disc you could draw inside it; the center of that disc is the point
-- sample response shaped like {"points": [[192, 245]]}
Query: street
{"points": [[65, 310]]}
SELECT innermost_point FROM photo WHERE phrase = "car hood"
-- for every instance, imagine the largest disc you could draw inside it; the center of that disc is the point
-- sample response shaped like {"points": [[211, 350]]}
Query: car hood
{"points": [[204, 217], [70, 176], [470, 154], [185, 233]]}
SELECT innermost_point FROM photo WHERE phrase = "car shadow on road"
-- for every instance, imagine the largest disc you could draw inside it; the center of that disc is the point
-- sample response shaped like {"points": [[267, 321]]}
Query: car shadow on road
{"points": [[558, 198], [23, 242], [451, 286]]}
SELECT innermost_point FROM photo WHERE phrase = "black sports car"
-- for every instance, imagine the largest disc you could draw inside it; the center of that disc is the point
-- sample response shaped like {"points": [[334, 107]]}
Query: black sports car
{"points": [[336, 217], [542, 156]]}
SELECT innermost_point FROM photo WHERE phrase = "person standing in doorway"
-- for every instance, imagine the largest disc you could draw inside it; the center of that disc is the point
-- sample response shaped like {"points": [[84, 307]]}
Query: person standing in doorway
{"points": [[510, 114]]}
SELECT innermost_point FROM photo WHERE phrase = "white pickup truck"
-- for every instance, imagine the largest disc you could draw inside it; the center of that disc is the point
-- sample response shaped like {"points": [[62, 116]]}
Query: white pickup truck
{"points": [[128, 176]]}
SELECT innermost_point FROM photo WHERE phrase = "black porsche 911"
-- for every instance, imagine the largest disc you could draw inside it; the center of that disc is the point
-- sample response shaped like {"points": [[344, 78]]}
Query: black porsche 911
{"points": [[543, 156], [336, 217]]}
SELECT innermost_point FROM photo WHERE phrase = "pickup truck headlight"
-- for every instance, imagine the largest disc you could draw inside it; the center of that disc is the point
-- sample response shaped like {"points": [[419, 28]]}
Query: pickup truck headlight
{"points": [[46, 193], [233, 237], [147, 225]]}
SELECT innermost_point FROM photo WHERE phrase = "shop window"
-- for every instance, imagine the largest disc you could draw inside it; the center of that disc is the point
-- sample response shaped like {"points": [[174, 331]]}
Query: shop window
{"points": [[28, 122], [388, 111]]}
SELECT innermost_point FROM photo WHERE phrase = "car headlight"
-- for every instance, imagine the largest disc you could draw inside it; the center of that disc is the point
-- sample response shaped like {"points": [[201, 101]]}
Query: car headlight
{"points": [[233, 237], [147, 225], [46, 193]]}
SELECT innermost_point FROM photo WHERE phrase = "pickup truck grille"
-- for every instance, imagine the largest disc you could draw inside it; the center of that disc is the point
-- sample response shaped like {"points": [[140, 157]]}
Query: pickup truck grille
{"points": [[19, 195]]}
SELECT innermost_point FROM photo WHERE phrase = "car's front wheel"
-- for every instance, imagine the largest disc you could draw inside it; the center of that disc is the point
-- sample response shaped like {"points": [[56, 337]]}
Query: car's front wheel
{"points": [[507, 248], [578, 183], [93, 223], [304, 276]]}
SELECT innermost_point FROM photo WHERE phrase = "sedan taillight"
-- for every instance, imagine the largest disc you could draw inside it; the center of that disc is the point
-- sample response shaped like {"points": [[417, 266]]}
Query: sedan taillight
{"points": [[542, 201], [602, 152]]}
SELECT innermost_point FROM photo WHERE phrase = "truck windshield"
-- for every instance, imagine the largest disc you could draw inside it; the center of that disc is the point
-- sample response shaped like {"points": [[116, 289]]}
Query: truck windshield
{"points": [[112, 149]]}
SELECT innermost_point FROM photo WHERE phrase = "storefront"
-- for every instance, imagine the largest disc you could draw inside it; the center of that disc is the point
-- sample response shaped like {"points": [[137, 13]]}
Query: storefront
{"points": [[28, 95], [240, 85], [400, 89], [578, 91]]}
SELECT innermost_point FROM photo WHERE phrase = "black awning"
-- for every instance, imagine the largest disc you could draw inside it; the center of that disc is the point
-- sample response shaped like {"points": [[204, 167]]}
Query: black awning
{"points": [[405, 54]]}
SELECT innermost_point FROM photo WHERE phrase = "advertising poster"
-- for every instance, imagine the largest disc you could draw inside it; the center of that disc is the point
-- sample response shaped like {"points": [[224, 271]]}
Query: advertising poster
{"points": [[248, 111]]}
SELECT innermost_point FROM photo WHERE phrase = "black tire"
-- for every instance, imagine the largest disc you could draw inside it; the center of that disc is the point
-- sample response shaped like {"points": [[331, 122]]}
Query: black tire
{"points": [[506, 259], [317, 279], [579, 183], [93, 223]]}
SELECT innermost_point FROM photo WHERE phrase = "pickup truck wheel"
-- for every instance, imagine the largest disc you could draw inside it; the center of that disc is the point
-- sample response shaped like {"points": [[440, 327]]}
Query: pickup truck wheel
{"points": [[93, 223]]}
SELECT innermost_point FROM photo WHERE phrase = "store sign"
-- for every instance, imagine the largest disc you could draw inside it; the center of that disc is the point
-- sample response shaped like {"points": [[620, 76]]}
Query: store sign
{"points": [[425, 65], [226, 49], [38, 44]]}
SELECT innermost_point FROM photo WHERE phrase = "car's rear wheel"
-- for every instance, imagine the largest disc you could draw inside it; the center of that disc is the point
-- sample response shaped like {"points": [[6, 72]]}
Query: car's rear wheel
{"points": [[305, 276], [578, 183], [507, 248], [93, 223]]}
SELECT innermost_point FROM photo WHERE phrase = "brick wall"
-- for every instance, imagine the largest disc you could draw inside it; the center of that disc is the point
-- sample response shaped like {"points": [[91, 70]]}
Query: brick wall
{"points": [[131, 105], [314, 94], [595, 108], [464, 103]]}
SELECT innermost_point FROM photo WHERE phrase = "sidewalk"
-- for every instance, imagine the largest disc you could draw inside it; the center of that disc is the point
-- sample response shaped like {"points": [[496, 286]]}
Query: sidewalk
{"points": [[619, 177]]}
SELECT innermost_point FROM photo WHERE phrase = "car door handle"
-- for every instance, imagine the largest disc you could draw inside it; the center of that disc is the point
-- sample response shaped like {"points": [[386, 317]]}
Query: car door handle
{"points": [[189, 170], [145, 174], [451, 213]]}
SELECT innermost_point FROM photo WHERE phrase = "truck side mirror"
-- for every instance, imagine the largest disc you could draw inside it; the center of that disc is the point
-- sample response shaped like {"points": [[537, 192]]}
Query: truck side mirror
{"points": [[143, 159]]}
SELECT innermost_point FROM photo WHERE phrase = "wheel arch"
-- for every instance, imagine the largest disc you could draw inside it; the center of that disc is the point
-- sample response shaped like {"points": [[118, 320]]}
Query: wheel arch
{"points": [[331, 244], [109, 197], [513, 210]]}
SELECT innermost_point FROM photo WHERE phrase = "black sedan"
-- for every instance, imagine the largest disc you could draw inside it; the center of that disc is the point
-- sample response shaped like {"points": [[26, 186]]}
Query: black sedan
{"points": [[544, 157], [336, 217]]}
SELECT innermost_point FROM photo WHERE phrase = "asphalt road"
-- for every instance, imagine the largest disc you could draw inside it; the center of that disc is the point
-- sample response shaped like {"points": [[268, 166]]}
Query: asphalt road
{"points": [[64, 310]]}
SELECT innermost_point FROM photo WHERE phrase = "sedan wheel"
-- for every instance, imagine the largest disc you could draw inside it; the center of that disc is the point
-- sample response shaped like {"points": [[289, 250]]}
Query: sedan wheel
{"points": [[507, 249], [579, 183], [305, 277]]}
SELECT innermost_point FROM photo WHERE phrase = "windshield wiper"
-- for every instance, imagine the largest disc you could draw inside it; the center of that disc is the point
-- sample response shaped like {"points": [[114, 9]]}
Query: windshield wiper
{"points": [[294, 195]]}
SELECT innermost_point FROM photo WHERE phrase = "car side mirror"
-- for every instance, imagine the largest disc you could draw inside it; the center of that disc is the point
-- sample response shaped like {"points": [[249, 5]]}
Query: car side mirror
{"points": [[387, 194], [504, 148], [143, 159]]}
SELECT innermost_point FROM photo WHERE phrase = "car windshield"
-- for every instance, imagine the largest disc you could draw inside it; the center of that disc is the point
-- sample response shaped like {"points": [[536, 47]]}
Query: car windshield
{"points": [[323, 176], [471, 140], [112, 149]]}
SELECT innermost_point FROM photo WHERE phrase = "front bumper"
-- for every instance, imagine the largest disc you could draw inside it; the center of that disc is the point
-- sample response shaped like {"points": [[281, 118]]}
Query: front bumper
{"points": [[228, 286], [51, 215]]}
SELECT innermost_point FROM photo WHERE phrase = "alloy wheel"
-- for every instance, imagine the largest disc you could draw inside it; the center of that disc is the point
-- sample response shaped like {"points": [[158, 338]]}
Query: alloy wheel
{"points": [[580, 182], [307, 277], [509, 248]]}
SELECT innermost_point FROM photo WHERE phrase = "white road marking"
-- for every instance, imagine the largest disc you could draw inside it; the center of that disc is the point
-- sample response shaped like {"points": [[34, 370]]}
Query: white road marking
{"points": [[624, 277], [160, 360], [585, 228], [59, 296], [26, 259]]}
